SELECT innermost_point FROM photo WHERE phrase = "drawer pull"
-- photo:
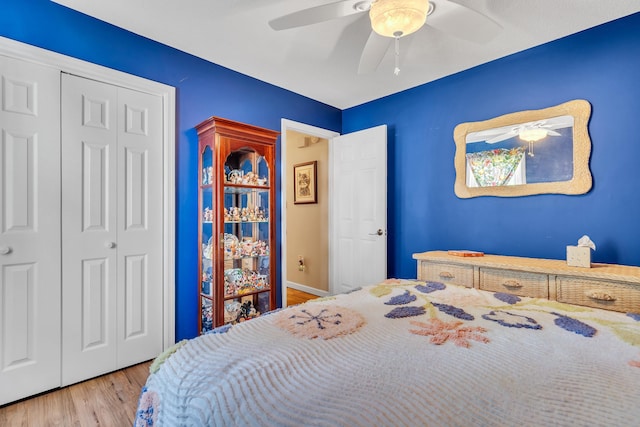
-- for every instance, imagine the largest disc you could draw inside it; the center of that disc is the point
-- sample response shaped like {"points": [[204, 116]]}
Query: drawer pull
{"points": [[511, 284], [600, 295], [446, 275]]}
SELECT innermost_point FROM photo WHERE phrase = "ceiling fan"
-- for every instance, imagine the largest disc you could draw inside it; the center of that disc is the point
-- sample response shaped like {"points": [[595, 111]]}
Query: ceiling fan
{"points": [[394, 19], [529, 132]]}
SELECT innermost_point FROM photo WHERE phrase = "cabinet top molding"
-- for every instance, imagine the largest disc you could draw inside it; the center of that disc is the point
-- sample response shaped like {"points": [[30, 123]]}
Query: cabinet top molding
{"points": [[237, 130]]}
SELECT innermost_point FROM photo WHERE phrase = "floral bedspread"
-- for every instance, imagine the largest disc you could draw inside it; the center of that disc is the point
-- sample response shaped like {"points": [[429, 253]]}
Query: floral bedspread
{"points": [[404, 353]]}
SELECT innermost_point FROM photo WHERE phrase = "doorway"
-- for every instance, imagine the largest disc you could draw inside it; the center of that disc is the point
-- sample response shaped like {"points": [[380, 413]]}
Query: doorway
{"points": [[313, 238]]}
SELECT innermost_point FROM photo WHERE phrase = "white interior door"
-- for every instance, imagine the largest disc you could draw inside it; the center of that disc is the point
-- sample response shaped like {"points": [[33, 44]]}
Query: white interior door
{"points": [[139, 240], [89, 172], [112, 227], [29, 229], [358, 245]]}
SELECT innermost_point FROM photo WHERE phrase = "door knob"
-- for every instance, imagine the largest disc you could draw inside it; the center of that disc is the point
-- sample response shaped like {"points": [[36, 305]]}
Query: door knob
{"points": [[5, 250], [377, 233], [109, 245]]}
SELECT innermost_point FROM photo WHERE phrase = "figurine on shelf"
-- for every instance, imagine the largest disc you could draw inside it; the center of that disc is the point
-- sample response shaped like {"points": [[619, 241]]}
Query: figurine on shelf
{"points": [[207, 175], [260, 215], [227, 251], [207, 315], [261, 182], [248, 178], [227, 218], [244, 214], [247, 246], [234, 249], [207, 215], [235, 213], [247, 311], [262, 248], [231, 311], [235, 176], [206, 251]]}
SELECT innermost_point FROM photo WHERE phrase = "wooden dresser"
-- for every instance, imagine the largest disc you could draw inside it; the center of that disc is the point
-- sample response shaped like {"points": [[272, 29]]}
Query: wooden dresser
{"points": [[606, 286]]}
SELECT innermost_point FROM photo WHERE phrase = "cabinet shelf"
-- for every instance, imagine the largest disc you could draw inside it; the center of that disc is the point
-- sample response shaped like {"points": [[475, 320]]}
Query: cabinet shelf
{"points": [[243, 188], [226, 258], [236, 269], [246, 294]]}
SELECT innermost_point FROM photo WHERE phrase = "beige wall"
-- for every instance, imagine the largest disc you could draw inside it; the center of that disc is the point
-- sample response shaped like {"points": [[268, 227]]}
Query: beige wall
{"points": [[307, 224]]}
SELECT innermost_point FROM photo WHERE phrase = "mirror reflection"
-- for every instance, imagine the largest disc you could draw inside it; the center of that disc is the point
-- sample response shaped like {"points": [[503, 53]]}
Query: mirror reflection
{"points": [[524, 153]]}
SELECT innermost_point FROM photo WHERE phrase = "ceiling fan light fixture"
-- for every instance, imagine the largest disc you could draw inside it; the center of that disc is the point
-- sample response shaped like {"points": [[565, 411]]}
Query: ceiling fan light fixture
{"points": [[532, 135], [398, 18]]}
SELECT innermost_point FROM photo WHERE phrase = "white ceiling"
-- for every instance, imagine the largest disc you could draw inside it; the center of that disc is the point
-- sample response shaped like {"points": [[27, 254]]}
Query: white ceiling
{"points": [[320, 61]]}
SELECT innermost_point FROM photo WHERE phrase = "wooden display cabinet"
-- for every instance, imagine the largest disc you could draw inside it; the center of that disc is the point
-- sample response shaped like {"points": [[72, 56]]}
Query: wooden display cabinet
{"points": [[236, 224]]}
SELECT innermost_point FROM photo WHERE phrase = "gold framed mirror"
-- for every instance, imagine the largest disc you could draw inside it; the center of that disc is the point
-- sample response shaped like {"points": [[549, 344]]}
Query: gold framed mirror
{"points": [[525, 153]]}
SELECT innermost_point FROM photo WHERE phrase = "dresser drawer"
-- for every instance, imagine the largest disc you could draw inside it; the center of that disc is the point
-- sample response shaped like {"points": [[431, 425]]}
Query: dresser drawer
{"points": [[616, 296], [515, 282], [454, 274]]}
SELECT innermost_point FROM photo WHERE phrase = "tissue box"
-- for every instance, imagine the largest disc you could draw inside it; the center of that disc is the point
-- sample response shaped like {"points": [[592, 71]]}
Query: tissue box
{"points": [[579, 256]]}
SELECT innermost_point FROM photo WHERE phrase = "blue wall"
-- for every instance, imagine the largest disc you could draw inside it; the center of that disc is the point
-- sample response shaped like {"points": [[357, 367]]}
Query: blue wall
{"points": [[203, 90], [601, 65]]}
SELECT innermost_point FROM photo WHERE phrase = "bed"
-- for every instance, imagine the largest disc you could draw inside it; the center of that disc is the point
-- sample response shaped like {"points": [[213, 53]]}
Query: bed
{"points": [[405, 352]]}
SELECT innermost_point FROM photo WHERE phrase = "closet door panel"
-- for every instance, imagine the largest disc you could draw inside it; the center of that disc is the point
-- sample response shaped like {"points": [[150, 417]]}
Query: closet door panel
{"points": [[29, 229], [89, 188], [139, 227]]}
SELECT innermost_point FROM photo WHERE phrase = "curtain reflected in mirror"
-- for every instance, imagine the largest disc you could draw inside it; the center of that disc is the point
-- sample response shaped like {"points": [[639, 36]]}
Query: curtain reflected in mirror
{"points": [[523, 153]]}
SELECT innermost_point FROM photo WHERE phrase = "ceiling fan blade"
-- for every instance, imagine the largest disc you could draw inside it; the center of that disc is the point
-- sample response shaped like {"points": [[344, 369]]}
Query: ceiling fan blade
{"points": [[484, 135], [553, 132], [559, 122], [463, 22], [502, 137], [314, 15], [373, 52]]}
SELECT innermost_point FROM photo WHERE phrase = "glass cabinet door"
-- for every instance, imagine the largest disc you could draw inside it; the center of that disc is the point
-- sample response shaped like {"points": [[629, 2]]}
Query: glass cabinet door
{"points": [[206, 243], [246, 226]]}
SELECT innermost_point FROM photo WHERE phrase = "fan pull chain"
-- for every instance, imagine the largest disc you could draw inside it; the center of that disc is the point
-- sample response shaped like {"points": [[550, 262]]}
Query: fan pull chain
{"points": [[396, 70]]}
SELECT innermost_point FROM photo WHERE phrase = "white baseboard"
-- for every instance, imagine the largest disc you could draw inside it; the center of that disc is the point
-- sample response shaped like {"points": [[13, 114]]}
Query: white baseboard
{"points": [[307, 289]]}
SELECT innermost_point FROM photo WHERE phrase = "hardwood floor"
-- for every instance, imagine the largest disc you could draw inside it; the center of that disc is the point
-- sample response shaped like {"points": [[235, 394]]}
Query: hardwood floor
{"points": [[110, 400], [295, 296]]}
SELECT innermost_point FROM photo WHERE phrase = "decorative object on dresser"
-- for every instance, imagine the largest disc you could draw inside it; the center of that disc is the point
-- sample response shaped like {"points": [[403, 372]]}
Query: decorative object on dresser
{"points": [[580, 256], [609, 286], [465, 252], [237, 232], [490, 155]]}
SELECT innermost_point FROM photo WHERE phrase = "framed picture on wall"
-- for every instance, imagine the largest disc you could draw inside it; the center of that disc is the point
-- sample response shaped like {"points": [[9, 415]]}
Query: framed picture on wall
{"points": [[304, 183]]}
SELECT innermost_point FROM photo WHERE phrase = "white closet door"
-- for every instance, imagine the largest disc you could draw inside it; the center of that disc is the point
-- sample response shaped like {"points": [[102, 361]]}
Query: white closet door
{"points": [[112, 228], [29, 229], [139, 240], [89, 207]]}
